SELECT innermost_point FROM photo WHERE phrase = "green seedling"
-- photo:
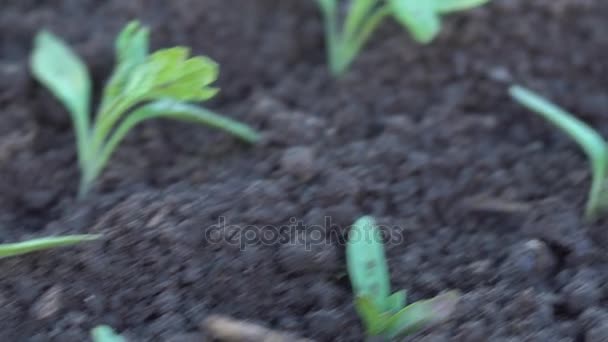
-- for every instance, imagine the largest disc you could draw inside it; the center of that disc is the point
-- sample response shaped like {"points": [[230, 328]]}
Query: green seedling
{"points": [[142, 86], [591, 142], [345, 38], [385, 314], [34, 245], [104, 333]]}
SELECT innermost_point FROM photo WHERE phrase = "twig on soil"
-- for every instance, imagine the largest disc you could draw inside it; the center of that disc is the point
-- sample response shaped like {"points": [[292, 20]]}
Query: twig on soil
{"points": [[228, 329]]}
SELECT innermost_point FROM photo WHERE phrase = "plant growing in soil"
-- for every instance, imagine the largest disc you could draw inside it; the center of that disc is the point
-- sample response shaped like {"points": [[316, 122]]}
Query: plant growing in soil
{"points": [[34, 245], [385, 314], [590, 141], [104, 333], [143, 86], [344, 40]]}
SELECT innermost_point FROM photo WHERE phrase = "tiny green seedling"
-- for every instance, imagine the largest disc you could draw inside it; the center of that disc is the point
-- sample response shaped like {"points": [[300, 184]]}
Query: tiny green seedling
{"points": [[34, 245], [385, 314], [104, 333], [143, 86], [344, 41], [591, 142]]}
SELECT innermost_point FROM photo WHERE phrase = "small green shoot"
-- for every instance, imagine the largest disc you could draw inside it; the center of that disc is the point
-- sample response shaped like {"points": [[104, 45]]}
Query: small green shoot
{"points": [[104, 333], [591, 142], [143, 86], [34, 245], [385, 314], [345, 38]]}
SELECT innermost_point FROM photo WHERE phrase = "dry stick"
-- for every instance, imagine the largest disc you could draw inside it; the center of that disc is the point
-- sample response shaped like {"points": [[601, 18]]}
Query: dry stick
{"points": [[228, 329]]}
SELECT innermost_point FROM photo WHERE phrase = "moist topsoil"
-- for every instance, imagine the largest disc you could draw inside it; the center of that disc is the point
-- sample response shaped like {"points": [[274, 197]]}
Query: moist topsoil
{"points": [[477, 193]]}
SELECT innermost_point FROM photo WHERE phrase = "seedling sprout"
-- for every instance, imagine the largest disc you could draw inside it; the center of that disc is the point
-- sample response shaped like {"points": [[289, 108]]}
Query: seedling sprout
{"points": [[385, 314], [34, 245], [143, 86], [345, 38], [104, 333], [591, 142]]}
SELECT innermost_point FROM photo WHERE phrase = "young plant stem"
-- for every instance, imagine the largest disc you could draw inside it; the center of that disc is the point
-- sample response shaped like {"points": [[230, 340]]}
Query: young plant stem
{"points": [[343, 45], [586, 137], [165, 108]]}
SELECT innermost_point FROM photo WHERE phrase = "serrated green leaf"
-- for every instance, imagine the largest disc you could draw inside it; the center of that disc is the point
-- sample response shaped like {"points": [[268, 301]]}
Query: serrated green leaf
{"points": [[447, 6], [64, 74], [420, 17], [373, 318], [104, 333], [423, 314], [132, 44], [132, 47], [19, 248], [189, 82], [171, 75], [397, 301], [366, 262]]}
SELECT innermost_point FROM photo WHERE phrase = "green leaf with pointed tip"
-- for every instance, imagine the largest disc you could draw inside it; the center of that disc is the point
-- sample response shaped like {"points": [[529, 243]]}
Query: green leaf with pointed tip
{"points": [[132, 47], [104, 333], [373, 318], [446, 6], [592, 143], [62, 72], [419, 17], [366, 262], [397, 301], [132, 44], [34, 245], [423, 314]]}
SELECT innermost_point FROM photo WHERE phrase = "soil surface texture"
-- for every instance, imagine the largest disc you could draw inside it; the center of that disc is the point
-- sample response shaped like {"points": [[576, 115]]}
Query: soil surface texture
{"points": [[481, 195]]}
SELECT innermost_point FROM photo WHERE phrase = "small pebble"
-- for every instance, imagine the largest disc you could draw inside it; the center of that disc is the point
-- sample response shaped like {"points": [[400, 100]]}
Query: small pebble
{"points": [[48, 304], [299, 161]]}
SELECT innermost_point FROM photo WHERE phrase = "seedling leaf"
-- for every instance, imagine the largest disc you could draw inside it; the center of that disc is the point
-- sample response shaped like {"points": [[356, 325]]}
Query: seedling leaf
{"points": [[60, 70], [178, 78], [356, 15], [366, 262], [423, 314], [328, 7], [374, 319], [131, 47], [104, 333], [132, 44], [587, 138], [19, 248], [419, 17], [169, 76], [447, 6], [397, 301]]}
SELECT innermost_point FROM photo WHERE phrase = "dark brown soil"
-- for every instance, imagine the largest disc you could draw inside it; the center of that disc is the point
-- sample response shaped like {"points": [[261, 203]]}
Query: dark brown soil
{"points": [[486, 196]]}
